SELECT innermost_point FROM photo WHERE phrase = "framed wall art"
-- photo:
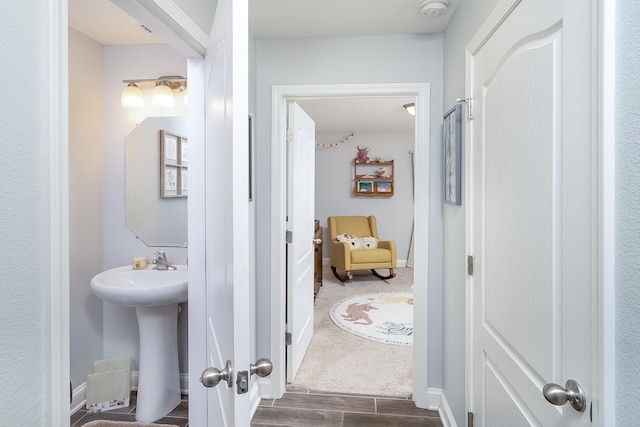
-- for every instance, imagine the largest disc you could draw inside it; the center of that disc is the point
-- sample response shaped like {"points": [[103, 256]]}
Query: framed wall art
{"points": [[452, 137], [174, 159]]}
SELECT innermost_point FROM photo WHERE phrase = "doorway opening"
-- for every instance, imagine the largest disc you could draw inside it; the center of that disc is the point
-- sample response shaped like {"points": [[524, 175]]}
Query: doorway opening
{"points": [[335, 360], [281, 96]]}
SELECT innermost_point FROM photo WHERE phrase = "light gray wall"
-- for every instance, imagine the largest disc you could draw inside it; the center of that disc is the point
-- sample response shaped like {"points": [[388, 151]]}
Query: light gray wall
{"points": [[85, 202], [627, 217], [357, 60], [120, 244], [334, 184], [24, 329], [466, 21]]}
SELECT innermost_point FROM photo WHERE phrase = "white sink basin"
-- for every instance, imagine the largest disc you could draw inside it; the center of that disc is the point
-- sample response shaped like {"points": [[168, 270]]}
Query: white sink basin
{"points": [[141, 288]]}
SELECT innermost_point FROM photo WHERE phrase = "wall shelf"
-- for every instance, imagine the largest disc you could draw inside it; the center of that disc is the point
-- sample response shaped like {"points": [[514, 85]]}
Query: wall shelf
{"points": [[373, 179]]}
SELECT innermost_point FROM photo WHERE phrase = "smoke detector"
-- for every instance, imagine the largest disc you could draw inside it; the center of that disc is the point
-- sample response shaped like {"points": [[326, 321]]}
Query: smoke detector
{"points": [[434, 8]]}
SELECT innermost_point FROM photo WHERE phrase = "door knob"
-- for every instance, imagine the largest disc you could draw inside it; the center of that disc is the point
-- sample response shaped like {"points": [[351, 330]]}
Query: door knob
{"points": [[317, 241], [572, 392], [262, 368], [212, 376]]}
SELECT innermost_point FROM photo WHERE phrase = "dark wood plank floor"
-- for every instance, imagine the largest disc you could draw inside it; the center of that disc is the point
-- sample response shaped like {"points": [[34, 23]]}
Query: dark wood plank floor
{"points": [[308, 408], [179, 416], [302, 408]]}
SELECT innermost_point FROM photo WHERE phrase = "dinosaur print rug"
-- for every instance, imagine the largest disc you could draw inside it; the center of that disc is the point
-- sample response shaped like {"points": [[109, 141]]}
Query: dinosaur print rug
{"points": [[385, 317]]}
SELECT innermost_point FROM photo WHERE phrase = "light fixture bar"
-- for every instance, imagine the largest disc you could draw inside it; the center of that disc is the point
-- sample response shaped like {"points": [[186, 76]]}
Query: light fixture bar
{"points": [[181, 79]]}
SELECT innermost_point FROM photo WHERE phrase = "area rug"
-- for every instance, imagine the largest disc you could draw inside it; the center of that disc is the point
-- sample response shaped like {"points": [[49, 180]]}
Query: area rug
{"points": [[340, 362], [384, 317]]}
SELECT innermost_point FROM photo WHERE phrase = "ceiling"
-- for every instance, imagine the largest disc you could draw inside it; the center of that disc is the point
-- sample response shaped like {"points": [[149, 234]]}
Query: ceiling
{"points": [[104, 22]]}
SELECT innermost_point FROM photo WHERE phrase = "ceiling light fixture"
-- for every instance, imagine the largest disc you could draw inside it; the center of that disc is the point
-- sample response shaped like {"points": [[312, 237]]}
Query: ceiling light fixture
{"points": [[433, 8], [166, 86], [411, 108]]}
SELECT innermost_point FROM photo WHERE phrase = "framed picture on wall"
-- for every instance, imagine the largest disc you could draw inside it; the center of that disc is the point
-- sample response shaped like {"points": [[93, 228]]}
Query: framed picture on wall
{"points": [[452, 137]]}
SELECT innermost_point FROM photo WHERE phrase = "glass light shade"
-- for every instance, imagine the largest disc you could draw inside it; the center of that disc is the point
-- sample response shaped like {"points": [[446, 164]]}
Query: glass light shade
{"points": [[163, 97], [132, 96], [411, 108]]}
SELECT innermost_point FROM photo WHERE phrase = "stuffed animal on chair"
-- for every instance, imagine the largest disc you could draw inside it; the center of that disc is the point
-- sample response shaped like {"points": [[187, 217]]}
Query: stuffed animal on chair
{"points": [[362, 155]]}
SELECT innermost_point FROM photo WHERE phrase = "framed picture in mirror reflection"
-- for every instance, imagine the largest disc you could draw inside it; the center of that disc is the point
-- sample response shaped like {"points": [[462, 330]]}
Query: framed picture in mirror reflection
{"points": [[174, 155]]}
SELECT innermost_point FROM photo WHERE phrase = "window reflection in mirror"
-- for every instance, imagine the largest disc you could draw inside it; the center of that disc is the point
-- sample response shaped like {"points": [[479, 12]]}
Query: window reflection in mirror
{"points": [[154, 220]]}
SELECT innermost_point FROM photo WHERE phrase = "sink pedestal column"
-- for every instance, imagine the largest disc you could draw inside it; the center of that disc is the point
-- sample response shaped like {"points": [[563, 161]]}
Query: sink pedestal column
{"points": [[159, 381]]}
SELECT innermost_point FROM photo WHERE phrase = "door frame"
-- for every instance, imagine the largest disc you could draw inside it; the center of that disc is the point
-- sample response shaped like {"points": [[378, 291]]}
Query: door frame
{"points": [[603, 288], [184, 36], [280, 95]]}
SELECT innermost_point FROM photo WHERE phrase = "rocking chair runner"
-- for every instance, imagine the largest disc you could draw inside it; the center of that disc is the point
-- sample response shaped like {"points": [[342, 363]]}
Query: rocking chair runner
{"points": [[344, 258]]}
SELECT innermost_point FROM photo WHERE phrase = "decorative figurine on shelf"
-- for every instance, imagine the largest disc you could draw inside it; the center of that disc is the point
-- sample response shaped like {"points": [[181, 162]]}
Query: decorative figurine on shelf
{"points": [[382, 173], [362, 155], [379, 159]]}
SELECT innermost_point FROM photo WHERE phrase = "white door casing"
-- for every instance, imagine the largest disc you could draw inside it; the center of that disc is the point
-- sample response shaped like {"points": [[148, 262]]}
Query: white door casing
{"points": [[300, 250], [531, 213], [219, 222]]}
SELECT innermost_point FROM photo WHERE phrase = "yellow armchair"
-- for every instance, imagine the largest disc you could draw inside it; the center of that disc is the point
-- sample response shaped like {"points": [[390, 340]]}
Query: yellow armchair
{"points": [[344, 258]]}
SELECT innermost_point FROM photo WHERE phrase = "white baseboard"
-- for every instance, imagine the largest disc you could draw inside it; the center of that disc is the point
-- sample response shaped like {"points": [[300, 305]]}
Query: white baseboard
{"points": [[265, 388], [78, 398], [79, 394], [437, 401], [255, 397]]}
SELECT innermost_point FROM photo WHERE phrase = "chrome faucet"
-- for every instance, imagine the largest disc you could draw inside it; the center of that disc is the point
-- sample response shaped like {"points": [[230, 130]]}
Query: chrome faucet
{"points": [[161, 262]]}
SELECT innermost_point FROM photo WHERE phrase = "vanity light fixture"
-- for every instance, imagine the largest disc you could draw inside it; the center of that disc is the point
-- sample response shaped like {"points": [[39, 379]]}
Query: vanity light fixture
{"points": [[411, 108], [132, 96], [162, 96], [166, 86]]}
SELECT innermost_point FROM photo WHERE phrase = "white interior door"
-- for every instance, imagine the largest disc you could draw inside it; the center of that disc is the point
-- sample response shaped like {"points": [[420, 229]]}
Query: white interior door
{"points": [[219, 224], [532, 213], [300, 216]]}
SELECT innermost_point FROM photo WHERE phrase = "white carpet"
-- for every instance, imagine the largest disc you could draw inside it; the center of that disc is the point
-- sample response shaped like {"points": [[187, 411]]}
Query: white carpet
{"points": [[385, 317], [340, 362]]}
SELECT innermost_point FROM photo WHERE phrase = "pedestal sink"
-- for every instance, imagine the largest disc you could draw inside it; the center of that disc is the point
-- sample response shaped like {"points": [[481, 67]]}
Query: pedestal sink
{"points": [[155, 294]]}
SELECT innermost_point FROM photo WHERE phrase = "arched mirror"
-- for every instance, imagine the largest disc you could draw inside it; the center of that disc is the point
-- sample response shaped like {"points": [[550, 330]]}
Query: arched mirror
{"points": [[156, 220]]}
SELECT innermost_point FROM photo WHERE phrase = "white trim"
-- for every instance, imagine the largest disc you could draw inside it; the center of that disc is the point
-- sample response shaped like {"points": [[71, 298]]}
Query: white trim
{"points": [[254, 397], [265, 388], [438, 401], [606, 72], [196, 214], [170, 23], [280, 96], [56, 207], [184, 381], [468, 225], [491, 24], [78, 398]]}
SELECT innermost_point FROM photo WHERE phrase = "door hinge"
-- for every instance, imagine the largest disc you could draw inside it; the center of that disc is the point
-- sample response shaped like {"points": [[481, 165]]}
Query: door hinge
{"points": [[287, 338], [289, 135], [469, 102], [289, 236], [469, 419], [469, 265]]}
